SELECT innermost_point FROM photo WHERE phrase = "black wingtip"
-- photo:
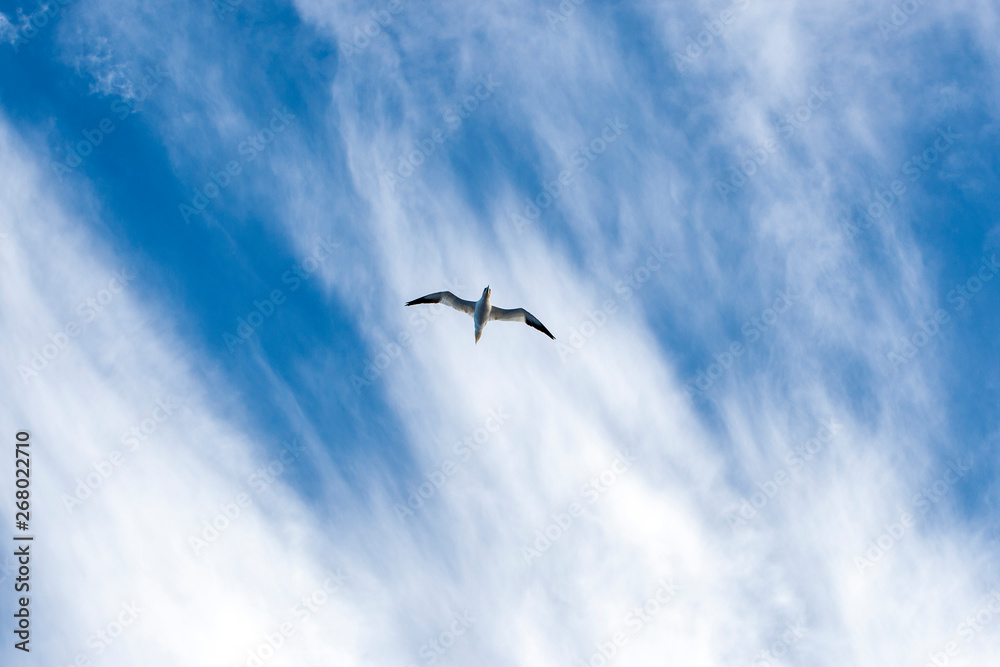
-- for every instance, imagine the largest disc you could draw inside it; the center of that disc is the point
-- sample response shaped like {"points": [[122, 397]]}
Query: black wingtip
{"points": [[541, 327], [427, 298]]}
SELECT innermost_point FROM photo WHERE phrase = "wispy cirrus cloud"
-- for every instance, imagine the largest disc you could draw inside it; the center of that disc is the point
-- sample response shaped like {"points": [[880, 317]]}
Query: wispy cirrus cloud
{"points": [[669, 514]]}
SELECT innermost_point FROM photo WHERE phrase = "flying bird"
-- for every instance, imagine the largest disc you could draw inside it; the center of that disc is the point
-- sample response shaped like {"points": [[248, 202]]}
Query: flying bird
{"points": [[482, 312]]}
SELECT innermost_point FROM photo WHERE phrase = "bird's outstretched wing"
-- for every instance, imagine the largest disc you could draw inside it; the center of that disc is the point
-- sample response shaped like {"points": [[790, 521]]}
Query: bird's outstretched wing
{"points": [[519, 315], [448, 299]]}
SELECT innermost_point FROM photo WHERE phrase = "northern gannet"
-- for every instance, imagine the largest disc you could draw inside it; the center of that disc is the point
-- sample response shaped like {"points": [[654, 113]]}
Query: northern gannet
{"points": [[482, 312]]}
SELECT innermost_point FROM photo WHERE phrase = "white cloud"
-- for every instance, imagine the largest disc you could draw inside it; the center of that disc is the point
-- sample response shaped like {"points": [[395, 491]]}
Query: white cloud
{"points": [[128, 541], [667, 516], [8, 31], [795, 560]]}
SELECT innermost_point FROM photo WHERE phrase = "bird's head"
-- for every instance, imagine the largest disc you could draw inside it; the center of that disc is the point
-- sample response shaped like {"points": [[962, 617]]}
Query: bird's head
{"points": [[487, 292]]}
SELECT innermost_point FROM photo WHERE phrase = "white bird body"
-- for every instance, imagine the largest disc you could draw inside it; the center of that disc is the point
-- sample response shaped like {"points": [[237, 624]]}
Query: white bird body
{"points": [[483, 311], [481, 314]]}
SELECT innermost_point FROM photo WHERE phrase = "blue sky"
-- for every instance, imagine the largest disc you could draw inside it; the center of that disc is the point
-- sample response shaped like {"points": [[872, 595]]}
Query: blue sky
{"points": [[763, 235]]}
